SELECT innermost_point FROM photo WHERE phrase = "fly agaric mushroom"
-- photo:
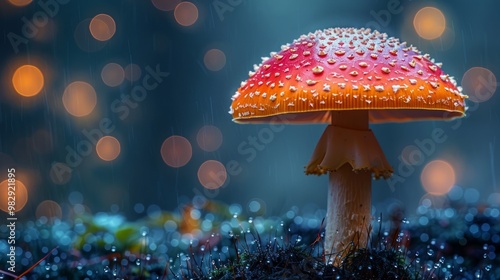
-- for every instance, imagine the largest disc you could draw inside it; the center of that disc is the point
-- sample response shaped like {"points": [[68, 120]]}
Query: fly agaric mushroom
{"points": [[348, 78]]}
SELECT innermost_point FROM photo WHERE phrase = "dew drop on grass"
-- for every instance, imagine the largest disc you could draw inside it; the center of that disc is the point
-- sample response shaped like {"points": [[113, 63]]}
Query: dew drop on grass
{"points": [[430, 252], [106, 269], [113, 248], [79, 266], [299, 239], [488, 267]]}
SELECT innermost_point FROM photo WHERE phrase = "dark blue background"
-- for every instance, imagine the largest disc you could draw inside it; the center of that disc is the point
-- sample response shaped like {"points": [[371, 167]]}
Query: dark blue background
{"points": [[192, 96]]}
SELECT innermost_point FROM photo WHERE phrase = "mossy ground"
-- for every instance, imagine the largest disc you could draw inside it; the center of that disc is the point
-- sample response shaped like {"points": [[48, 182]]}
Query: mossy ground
{"points": [[463, 243]]}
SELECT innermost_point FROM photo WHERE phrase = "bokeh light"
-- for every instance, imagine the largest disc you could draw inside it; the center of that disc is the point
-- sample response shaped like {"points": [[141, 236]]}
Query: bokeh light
{"points": [[494, 199], [479, 84], [471, 195], [20, 3], [209, 138], [112, 74], [165, 5], [438, 177], [212, 174], [257, 206], [447, 40], [102, 27], [85, 40], [186, 13], [79, 98], [214, 59], [80, 209], [176, 151], [48, 32], [108, 148], [60, 173], [21, 195], [133, 72], [429, 22], [28, 80], [456, 193], [434, 201], [412, 155], [48, 209], [75, 198]]}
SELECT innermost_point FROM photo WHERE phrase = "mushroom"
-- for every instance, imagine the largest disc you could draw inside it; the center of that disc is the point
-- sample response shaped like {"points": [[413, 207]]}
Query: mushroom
{"points": [[347, 77]]}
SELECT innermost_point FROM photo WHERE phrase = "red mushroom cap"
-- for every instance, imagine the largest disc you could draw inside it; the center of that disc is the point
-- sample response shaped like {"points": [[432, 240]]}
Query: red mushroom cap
{"points": [[347, 69]]}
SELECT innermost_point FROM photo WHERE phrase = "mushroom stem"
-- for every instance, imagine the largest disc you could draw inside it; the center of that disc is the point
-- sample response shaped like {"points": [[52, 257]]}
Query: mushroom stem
{"points": [[349, 197], [350, 119], [349, 151], [348, 212]]}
